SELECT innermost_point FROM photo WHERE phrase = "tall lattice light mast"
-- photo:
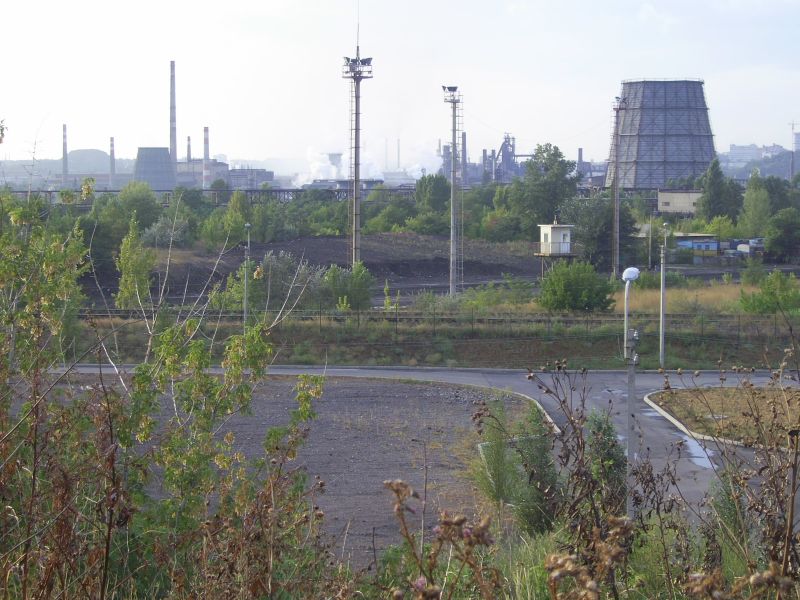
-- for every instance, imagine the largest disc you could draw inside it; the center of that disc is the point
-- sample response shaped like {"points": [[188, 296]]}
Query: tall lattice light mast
{"points": [[356, 69], [453, 97]]}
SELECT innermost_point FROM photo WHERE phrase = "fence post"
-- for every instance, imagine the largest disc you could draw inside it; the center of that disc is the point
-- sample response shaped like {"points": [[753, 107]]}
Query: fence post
{"points": [[434, 320], [738, 330], [702, 329], [395, 318], [473, 321], [320, 316], [775, 326]]}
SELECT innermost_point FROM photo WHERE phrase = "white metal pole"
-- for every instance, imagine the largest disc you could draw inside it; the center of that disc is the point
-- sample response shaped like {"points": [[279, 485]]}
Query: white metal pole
{"points": [[627, 292], [631, 406]]}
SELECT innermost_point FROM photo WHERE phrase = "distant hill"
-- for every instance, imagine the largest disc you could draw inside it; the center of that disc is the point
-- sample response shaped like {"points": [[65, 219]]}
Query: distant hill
{"points": [[778, 166]]}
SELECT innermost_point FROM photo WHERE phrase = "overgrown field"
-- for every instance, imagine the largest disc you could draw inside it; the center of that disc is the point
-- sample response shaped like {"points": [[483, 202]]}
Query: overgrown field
{"points": [[512, 340]]}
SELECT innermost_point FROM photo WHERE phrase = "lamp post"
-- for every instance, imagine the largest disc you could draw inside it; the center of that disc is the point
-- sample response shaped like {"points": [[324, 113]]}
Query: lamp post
{"points": [[246, 274], [631, 337], [663, 308], [628, 275]]}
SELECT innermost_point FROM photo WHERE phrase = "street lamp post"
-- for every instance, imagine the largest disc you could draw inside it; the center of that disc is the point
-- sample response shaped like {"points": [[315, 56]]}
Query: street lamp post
{"points": [[630, 275], [246, 274], [663, 307]]}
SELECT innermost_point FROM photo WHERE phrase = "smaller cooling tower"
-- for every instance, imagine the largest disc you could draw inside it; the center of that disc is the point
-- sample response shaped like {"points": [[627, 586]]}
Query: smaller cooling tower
{"points": [[154, 167], [663, 132]]}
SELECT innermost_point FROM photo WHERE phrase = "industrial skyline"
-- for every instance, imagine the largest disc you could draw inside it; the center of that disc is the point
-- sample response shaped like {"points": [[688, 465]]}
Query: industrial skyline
{"points": [[265, 77]]}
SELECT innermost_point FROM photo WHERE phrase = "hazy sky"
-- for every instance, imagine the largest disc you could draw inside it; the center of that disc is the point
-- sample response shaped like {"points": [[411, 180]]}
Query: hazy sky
{"points": [[266, 76]]}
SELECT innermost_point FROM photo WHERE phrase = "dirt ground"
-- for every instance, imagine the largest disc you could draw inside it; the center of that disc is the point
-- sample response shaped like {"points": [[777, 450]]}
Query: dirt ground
{"points": [[409, 262], [368, 431]]}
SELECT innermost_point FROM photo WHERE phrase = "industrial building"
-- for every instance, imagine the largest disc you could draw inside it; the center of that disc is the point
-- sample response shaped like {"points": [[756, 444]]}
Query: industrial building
{"points": [[661, 133]]}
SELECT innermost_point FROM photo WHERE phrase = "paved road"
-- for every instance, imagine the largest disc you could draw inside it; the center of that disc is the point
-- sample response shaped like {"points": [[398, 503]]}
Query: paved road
{"points": [[605, 390]]}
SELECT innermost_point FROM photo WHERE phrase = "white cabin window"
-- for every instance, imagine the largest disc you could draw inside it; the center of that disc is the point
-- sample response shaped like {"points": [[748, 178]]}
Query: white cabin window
{"points": [[546, 237]]}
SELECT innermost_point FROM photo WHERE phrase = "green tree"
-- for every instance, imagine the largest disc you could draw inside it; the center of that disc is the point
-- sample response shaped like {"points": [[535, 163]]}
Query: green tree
{"points": [[349, 286], [593, 220], [721, 226], [549, 181], [137, 198], [433, 193], [240, 205], [721, 195], [779, 190], [575, 287], [783, 234], [134, 264], [220, 192], [756, 210], [778, 291]]}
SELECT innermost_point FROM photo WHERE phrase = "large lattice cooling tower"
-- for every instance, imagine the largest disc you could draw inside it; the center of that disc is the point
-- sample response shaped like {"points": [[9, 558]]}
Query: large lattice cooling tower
{"points": [[663, 132]]}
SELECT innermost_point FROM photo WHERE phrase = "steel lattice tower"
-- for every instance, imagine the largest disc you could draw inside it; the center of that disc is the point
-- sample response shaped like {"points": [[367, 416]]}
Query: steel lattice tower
{"points": [[356, 69], [663, 132]]}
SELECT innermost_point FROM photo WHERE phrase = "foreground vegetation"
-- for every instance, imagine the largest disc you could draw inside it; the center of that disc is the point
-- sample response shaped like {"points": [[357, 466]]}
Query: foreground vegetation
{"points": [[98, 501]]}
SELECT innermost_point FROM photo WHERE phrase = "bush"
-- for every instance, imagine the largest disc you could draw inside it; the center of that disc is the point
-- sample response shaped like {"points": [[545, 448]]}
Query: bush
{"points": [[517, 468], [607, 460], [778, 292], [511, 291], [754, 272], [652, 280], [575, 287]]}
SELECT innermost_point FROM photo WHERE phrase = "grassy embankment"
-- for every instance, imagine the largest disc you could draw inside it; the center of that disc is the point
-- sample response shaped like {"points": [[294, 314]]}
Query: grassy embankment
{"points": [[703, 327]]}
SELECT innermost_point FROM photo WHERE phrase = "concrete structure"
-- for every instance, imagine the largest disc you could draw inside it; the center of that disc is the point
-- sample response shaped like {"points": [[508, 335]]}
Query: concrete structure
{"points": [[663, 132], [154, 167], [678, 201], [249, 179], [194, 174]]}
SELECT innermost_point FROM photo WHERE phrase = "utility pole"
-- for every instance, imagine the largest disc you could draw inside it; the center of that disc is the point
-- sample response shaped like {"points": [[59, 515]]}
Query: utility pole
{"points": [[452, 97], [791, 159], [246, 275], [356, 69], [620, 105], [663, 306]]}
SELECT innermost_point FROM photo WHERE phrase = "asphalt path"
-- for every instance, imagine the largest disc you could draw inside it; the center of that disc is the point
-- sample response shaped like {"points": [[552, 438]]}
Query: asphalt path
{"points": [[695, 462], [654, 436]]}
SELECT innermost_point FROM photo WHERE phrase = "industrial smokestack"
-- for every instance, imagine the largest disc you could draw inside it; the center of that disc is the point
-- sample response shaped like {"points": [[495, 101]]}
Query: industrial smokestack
{"points": [[173, 128], [206, 162], [64, 160], [112, 167], [580, 156], [188, 148], [463, 158]]}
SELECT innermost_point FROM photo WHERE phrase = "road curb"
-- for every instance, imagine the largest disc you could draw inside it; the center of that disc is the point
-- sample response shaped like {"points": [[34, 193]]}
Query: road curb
{"points": [[693, 434]]}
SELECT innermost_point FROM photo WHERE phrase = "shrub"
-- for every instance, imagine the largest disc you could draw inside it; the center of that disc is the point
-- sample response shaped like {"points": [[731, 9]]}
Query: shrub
{"points": [[652, 280], [753, 273], [518, 469], [575, 287], [607, 460], [778, 292], [511, 291]]}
